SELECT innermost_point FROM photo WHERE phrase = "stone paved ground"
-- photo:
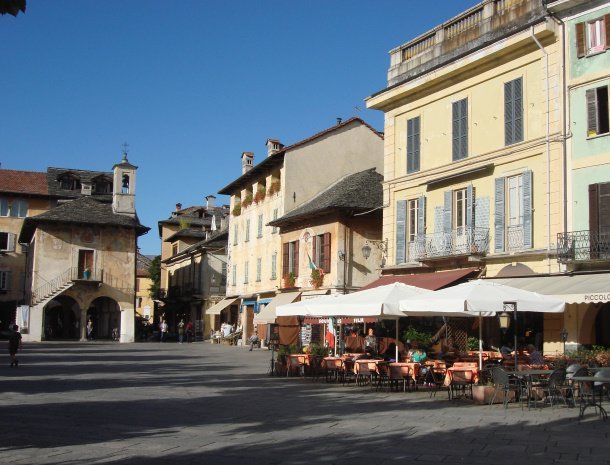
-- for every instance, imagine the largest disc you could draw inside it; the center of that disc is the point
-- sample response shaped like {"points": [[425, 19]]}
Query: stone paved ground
{"points": [[199, 403]]}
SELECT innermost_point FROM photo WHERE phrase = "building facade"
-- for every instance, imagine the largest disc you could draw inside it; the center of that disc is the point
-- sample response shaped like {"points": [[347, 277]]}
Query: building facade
{"points": [[288, 178]]}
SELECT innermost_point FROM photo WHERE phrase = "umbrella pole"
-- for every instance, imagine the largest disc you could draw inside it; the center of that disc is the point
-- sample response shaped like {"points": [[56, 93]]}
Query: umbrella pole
{"points": [[397, 360], [480, 342]]}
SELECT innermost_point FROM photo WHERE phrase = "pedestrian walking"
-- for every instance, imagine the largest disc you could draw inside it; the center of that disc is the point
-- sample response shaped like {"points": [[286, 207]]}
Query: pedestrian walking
{"points": [[180, 331], [89, 329], [253, 340], [14, 343], [163, 328]]}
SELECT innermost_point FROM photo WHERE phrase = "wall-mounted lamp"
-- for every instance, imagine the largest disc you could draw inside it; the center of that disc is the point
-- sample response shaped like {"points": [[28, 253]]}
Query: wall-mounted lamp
{"points": [[508, 308], [563, 334], [341, 255], [381, 245]]}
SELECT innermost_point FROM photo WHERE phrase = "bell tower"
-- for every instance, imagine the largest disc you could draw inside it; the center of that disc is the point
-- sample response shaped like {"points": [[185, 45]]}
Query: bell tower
{"points": [[124, 187]]}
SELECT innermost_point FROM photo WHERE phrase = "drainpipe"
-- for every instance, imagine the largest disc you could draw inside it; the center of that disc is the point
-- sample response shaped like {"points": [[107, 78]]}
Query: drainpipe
{"points": [[548, 148], [564, 127]]}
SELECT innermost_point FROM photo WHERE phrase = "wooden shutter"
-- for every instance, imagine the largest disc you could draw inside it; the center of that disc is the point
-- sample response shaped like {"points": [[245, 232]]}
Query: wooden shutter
{"points": [[604, 210], [593, 219], [7, 281], [413, 144], [326, 264], [581, 40], [455, 128], [296, 258], [592, 122], [401, 231], [285, 259], [447, 212], [470, 206], [607, 28], [518, 110], [508, 113], [527, 210], [464, 128], [499, 215], [315, 253]]}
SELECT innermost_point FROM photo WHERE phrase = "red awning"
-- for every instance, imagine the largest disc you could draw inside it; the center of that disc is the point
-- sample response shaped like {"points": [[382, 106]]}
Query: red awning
{"points": [[432, 281], [345, 320]]}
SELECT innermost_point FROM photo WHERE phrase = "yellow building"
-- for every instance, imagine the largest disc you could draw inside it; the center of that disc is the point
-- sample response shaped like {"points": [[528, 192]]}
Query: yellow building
{"points": [[145, 305], [474, 169]]}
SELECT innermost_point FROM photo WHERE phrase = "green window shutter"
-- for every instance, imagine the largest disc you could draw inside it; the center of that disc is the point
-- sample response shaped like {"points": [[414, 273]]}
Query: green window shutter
{"points": [[592, 121], [499, 215], [527, 210], [401, 231], [413, 144]]}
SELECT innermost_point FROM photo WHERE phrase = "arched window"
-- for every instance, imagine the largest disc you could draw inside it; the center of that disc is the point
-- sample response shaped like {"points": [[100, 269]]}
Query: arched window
{"points": [[125, 184]]}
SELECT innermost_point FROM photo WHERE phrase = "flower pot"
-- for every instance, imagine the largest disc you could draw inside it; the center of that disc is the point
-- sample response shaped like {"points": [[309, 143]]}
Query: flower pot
{"points": [[86, 274]]}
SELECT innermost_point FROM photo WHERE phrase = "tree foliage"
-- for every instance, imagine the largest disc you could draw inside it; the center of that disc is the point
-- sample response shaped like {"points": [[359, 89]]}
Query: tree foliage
{"points": [[154, 271]]}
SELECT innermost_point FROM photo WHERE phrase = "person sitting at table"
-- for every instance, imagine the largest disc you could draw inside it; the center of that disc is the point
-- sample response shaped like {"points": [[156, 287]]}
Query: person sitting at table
{"points": [[535, 357], [368, 354], [444, 353], [390, 354], [507, 351]]}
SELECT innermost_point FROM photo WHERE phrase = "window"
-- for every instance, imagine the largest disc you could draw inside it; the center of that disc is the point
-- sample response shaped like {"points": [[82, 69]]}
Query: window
{"points": [[235, 233], [247, 230], [234, 276], [102, 185], [513, 111], [259, 265], [139, 301], [412, 215], [274, 266], [223, 274], [17, 208], [174, 248], [513, 213], [7, 242], [69, 183], [592, 36], [460, 129], [597, 111], [259, 232], [321, 251], [274, 230], [5, 280], [413, 145], [290, 259], [246, 273]]}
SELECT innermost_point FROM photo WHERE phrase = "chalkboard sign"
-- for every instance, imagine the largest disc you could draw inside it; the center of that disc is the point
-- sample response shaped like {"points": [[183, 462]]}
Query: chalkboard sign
{"points": [[273, 334]]}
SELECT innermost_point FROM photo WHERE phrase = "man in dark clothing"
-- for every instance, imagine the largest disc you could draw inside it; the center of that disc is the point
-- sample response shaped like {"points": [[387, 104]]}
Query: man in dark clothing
{"points": [[14, 342]]}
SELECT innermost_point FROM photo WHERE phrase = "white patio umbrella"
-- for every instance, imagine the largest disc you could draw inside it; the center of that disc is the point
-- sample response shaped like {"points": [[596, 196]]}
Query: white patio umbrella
{"points": [[481, 298], [381, 302]]}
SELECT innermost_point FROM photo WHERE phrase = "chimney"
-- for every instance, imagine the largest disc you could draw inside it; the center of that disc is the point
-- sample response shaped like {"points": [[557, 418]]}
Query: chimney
{"points": [[339, 121], [178, 207], [247, 162], [209, 201], [273, 146]]}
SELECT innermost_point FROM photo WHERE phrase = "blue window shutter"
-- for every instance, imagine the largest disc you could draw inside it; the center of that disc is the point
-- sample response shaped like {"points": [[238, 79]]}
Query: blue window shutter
{"points": [[527, 210], [508, 113], [518, 110], [401, 230], [416, 144], [410, 146], [499, 215], [421, 216], [464, 129], [470, 206], [455, 129], [447, 210]]}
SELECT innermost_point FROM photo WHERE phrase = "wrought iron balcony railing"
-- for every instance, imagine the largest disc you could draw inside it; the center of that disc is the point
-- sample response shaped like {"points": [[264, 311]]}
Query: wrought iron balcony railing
{"points": [[460, 241], [583, 246]]}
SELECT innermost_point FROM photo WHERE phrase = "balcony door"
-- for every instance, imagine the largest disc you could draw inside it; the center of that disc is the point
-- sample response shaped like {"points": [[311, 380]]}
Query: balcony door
{"points": [[85, 263]]}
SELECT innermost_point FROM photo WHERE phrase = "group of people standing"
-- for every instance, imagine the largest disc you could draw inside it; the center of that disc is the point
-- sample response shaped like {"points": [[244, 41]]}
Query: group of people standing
{"points": [[184, 329]]}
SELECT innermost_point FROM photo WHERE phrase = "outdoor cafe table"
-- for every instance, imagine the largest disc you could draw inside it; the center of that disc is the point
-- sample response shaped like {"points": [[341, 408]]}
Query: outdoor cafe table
{"points": [[593, 401], [468, 370], [528, 377], [298, 361]]}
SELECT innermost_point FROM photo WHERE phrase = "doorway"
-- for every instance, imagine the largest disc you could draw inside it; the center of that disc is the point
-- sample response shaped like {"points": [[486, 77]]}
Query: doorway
{"points": [[85, 263]]}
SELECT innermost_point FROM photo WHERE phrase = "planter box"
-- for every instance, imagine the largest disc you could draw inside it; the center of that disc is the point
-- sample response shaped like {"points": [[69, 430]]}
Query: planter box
{"points": [[483, 394]]}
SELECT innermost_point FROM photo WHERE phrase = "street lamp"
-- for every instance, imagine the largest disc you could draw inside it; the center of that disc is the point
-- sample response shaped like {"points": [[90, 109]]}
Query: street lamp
{"points": [[381, 245], [564, 337], [504, 320], [507, 308]]}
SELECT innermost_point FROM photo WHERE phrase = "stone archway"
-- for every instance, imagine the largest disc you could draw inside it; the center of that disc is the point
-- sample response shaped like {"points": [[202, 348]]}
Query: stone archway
{"points": [[61, 319], [105, 313]]}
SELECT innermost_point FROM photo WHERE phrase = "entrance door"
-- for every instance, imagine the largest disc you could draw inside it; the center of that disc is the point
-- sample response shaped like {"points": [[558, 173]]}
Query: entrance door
{"points": [[85, 263]]}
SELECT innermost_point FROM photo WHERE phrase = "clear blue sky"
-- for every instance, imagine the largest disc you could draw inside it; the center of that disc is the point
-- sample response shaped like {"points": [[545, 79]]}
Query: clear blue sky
{"points": [[190, 85]]}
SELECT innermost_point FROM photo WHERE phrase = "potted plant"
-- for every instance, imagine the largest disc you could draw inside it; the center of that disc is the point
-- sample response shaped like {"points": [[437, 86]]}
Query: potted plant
{"points": [[290, 279], [247, 200], [237, 209], [274, 187], [260, 194], [87, 273], [317, 278]]}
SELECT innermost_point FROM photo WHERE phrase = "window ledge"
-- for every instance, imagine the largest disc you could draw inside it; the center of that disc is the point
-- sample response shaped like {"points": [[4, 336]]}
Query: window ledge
{"points": [[597, 136]]}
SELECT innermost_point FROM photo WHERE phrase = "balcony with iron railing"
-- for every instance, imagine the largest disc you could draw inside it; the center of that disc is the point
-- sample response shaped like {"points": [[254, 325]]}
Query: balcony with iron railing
{"points": [[583, 246], [485, 22], [460, 241]]}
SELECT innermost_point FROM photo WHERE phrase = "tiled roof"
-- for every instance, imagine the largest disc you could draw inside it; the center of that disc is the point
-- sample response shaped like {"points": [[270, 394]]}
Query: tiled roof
{"points": [[143, 264], [356, 192], [84, 176], [84, 211], [217, 240], [187, 232], [278, 157], [23, 182]]}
